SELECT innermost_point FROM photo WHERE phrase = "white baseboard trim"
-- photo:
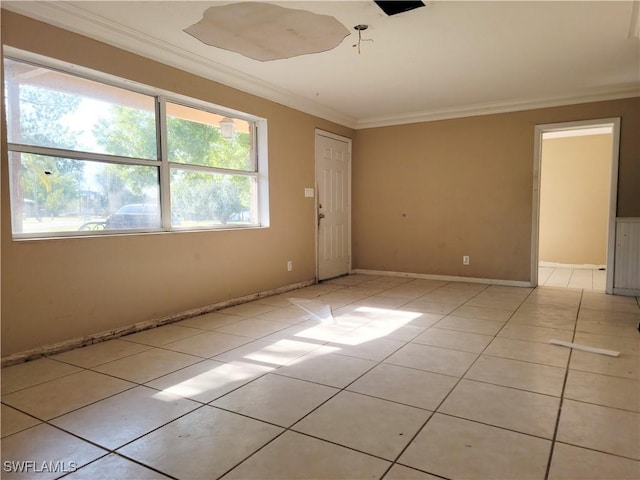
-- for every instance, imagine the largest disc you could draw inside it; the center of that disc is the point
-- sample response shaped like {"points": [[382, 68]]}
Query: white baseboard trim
{"points": [[627, 292], [447, 278], [586, 266], [138, 327]]}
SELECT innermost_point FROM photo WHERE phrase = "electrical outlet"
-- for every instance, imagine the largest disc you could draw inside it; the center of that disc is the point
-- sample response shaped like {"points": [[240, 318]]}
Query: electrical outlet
{"points": [[465, 260], [289, 266]]}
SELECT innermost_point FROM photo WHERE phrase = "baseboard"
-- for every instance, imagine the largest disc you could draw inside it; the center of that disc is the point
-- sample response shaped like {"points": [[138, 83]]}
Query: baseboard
{"points": [[140, 326], [627, 292], [447, 278], [587, 266]]}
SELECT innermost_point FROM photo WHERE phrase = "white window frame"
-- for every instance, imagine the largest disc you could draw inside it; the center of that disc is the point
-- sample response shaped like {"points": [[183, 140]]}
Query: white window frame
{"points": [[161, 98]]}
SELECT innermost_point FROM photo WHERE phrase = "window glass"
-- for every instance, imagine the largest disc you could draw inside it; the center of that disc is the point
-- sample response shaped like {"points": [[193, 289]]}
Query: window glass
{"points": [[84, 159], [198, 137], [47, 108], [202, 199], [51, 194]]}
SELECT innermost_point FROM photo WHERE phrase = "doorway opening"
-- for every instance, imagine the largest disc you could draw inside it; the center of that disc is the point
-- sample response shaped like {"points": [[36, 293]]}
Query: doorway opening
{"points": [[575, 192]]}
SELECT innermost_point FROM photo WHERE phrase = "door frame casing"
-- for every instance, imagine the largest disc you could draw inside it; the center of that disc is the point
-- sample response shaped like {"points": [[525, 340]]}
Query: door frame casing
{"points": [[613, 189], [323, 133]]}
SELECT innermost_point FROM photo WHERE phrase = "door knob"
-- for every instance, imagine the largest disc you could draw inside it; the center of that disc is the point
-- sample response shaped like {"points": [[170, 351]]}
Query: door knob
{"points": [[320, 217]]}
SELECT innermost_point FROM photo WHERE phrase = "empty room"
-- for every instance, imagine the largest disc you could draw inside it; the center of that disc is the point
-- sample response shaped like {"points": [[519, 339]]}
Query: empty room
{"points": [[320, 240]]}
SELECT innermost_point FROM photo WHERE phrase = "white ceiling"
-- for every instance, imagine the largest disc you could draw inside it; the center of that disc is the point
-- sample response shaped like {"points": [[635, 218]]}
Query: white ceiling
{"points": [[444, 60]]}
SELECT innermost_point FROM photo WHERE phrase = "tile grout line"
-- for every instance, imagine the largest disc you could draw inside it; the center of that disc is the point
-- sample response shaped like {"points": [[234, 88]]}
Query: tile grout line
{"points": [[290, 428], [129, 459], [410, 341], [340, 390], [395, 461], [591, 449], [136, 384], [114, 450], [564, 386], [91, 368]]}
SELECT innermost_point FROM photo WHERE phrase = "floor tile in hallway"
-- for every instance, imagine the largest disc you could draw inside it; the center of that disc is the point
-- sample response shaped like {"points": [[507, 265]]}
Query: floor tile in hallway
{"points": [[416, 379], [572, 277]]}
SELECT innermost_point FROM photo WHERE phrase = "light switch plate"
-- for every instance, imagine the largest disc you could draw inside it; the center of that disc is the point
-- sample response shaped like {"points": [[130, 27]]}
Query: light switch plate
{"points": [[308, 192]]}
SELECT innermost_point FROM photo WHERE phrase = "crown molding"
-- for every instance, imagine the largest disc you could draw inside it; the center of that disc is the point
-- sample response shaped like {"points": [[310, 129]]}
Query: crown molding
{"points": [[586, 96], [72, 18]]}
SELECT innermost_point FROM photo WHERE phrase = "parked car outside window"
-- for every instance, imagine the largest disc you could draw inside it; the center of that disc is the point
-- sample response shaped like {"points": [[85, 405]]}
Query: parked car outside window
{"points": [[135, 215]]}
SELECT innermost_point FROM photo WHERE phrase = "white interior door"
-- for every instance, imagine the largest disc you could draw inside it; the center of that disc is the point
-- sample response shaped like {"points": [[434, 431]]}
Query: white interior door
{"points": [[333, 182]]}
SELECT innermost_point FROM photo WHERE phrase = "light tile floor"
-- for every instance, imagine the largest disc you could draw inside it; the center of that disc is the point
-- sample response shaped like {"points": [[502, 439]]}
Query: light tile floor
{"points": [[417, 379], [570, 277]]}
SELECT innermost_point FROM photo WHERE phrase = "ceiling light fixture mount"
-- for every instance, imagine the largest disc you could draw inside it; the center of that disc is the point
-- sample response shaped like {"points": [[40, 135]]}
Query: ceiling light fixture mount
{"points": [[361, 27]]}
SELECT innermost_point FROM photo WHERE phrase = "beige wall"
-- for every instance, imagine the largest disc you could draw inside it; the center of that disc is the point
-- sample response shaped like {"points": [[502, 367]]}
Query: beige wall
{"points": [[574, 199], [465, 186], [55, 290], [426, 194]]}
